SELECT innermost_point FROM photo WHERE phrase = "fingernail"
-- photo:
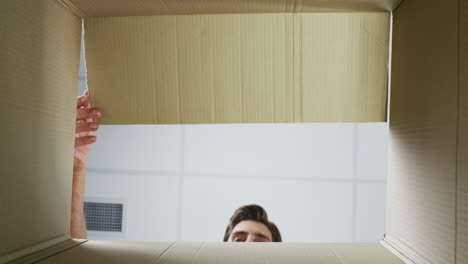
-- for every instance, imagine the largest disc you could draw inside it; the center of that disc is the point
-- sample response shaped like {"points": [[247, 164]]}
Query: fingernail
{"points": [[94, 125], [92, 138], [97, 113]]}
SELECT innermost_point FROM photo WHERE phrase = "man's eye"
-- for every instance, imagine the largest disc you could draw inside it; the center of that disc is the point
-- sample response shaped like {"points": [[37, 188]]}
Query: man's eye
{"points": [[238, 240]]}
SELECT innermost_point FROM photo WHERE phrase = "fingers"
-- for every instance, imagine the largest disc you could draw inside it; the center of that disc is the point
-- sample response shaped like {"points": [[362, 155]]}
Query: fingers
{"points": [[88, 113], [83, 101], [86, 127], [82, 141]]}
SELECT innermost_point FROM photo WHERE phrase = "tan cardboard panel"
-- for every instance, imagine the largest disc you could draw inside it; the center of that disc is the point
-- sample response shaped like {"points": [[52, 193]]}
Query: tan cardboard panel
{"points": [[199, 72], [233, 253], [344, 60], [462, 172], [170, 7], [248, 68], [360, 253], [421, 204], [226, 253], [38, 83], [115, 252]]}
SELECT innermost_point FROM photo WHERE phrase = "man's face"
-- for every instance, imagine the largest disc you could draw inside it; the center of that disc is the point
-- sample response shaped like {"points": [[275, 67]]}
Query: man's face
{"points": [[250, 231]]}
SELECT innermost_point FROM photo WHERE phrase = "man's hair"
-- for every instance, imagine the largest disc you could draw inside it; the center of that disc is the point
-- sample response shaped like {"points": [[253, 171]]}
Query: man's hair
{"points": [[252, 212]]}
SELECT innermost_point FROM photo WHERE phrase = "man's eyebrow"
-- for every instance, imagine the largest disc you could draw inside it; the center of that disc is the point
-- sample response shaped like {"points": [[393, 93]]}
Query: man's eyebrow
{"points": [[240, 233], [262, 236]]}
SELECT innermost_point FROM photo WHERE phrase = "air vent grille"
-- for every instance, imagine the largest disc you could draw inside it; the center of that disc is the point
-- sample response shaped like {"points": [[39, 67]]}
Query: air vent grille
{"points": [[103, 216]]}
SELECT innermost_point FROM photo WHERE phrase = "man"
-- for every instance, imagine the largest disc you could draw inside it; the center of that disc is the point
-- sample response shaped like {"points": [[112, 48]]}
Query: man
{"points": [[248, 224]]}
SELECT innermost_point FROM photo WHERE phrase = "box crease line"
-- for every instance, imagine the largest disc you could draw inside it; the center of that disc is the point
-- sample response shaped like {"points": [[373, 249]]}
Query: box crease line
{"points": [[32, 249], [60, 251], [393, 241], [390, 247], [336, 255], [70, 6], [164, 252]]}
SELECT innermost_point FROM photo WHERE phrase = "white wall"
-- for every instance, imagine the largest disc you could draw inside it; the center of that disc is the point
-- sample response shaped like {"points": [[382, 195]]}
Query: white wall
{"points": [[318, 182]]}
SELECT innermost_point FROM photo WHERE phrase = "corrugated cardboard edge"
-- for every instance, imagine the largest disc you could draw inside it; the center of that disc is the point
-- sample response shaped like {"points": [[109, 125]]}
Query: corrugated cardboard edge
{"points": [[50, 251], [72, 8], [409, 257], [41, 250], [394, 250], [296, 7], [109, 8]]}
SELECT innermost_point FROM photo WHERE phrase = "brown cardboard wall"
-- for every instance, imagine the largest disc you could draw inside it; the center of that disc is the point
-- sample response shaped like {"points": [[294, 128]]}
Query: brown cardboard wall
{"points": [[112, 252], [344, 67], [247, 68], [421, 207], [462, 200], [40, 45], [170, 7], [226, 253]]}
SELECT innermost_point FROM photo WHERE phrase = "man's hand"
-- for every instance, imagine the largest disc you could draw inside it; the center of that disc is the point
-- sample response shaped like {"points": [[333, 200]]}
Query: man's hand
{"points": [[85, 128], [86, 125]]}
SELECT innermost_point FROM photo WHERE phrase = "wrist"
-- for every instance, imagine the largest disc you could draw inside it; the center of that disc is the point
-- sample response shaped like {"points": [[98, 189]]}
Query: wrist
{"points": [[79, 166], [79, 170]]}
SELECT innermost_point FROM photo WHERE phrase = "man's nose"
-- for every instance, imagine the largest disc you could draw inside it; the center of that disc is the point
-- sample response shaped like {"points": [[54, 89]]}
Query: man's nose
{"points": [[250, 238]]}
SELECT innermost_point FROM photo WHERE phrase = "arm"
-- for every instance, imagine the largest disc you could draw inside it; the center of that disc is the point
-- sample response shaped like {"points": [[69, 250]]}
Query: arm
{"points": [[78, 223], [84, 138]]}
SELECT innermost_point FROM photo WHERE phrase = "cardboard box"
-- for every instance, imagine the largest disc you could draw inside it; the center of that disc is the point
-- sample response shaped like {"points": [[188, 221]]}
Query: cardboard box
{"points": [[239, 68], [427, 212]]}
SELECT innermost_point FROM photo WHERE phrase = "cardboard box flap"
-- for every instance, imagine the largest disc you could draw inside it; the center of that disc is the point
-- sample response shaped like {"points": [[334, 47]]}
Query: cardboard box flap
{"points": [[40, 54], [115, 252], [40, 254], [226, 253], [92, 8], [363, 253], [239, 68], [462, 164], [233, 253], [422, 182]]}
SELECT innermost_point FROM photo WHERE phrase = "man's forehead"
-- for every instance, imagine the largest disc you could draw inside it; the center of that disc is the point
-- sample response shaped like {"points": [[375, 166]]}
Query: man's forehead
{"points": [[250, 226]]}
